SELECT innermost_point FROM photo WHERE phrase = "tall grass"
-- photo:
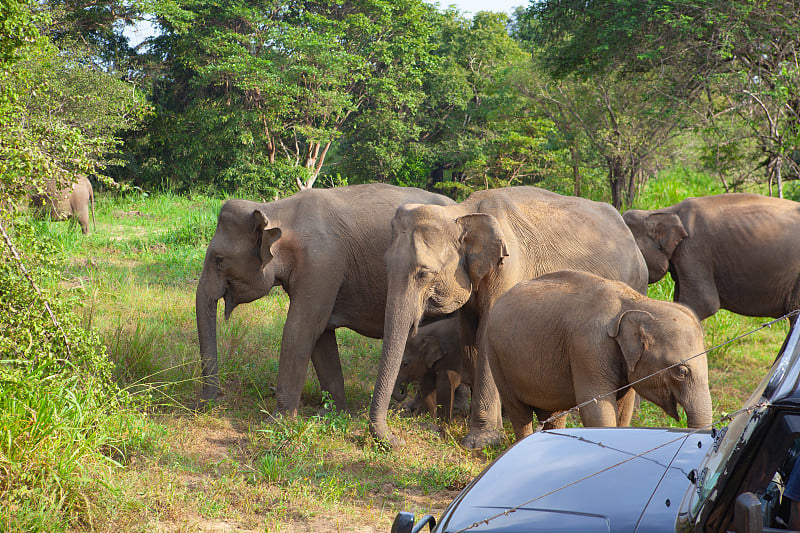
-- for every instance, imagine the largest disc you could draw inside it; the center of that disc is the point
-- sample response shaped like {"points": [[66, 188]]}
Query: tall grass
{"points": [[63, 422], [672, 186]]}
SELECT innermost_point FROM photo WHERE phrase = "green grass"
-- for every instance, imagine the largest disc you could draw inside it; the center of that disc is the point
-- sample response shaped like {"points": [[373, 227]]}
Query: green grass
{"points": [[233, 465]]}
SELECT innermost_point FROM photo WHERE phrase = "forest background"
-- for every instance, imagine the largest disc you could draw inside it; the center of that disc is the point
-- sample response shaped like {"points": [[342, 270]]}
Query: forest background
{"points": [[608, 100]]}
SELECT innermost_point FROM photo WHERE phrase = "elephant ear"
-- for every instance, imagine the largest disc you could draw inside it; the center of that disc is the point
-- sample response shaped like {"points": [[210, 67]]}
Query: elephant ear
{"points": [[667, 230], [432, 351], [264, 236], [632, 331], [483, 244]]}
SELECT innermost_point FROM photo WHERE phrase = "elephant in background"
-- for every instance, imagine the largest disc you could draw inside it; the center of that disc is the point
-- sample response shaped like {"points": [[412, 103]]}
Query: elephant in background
{"points": [[569, 337], [463, 257], [325, 247], [66, 199], [736, 251], [433, 360]]}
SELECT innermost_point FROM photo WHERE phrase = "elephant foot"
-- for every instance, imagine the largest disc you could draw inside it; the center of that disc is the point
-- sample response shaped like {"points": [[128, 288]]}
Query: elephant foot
{"points": [[384, 437], [477, 439]]}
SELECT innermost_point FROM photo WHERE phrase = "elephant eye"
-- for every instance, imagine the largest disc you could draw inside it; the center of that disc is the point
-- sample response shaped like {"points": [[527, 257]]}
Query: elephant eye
{"points": [[424, 273], [682, 372]]}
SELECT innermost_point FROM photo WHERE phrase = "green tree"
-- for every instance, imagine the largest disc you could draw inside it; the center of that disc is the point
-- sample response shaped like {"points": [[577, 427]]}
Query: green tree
{"points": [[629, 110], [258, 91], [473, 124], [745, 52]]}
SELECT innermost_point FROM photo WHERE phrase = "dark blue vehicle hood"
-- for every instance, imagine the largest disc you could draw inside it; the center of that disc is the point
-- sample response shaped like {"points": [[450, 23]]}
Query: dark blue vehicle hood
{"points": [[563, 480]]}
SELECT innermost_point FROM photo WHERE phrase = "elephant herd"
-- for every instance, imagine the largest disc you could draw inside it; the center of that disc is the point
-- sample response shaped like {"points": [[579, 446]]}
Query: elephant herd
{"points": [[539, 299]]}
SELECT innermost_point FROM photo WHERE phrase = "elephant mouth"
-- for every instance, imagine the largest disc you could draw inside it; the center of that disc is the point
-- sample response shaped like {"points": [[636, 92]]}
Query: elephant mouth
{"points": [[230, 303], [440, 304], [671, 408]]}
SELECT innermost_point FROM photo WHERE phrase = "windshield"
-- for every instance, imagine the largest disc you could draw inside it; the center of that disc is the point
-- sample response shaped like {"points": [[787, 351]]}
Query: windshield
{"points": [[733, 437], [737, 434]]}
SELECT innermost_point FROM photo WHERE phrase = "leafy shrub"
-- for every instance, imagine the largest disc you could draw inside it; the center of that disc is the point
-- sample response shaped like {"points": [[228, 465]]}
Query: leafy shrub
{"points": [[61, 416]]}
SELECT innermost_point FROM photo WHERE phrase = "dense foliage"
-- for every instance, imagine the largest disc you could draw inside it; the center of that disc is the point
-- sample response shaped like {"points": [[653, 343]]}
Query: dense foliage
{"points": [[266, 97], [59, 408]]}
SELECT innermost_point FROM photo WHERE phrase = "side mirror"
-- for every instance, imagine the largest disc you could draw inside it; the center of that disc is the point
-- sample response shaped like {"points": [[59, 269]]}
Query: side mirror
{"points": [[747, 514], [404, 523]]}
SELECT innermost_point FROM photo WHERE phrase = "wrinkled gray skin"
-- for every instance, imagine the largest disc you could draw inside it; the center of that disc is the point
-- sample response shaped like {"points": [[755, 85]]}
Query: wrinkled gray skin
{"points": [[465, 256], [569, 337], [739, 252], [325, 248], [71, 200], [433, 360]]}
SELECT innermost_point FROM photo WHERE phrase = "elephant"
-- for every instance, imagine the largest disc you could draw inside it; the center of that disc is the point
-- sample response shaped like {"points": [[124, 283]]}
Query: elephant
{"points": [[735, 251], [463, 257], [64, 200], [432, 358], [569, 337], [325, 248]]}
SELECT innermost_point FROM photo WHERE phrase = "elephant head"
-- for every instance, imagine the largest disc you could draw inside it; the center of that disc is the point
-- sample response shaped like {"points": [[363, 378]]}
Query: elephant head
{"points": [[657, 234], [421, 355], [674, 343], [239, 267], [436, 262]]}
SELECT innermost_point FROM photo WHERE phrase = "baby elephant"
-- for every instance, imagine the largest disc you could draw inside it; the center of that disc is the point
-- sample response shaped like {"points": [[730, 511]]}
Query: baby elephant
{"points": [[433, 359], [65, 200], [569, 337]]}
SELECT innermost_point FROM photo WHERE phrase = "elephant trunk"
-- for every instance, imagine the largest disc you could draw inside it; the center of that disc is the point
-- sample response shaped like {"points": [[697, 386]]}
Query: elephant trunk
{"points": [[208, 293], [400, 391], [401, 316], [699, 411]]}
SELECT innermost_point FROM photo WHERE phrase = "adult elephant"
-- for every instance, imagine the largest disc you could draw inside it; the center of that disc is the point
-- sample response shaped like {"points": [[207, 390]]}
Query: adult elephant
{"points": [[737, 251], [65, 199], [465, 256], [325, 247]]}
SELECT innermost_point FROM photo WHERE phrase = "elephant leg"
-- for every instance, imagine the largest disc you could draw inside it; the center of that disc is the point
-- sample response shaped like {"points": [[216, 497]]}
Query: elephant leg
{"points": [[696, 287], [306, 321], [793, 302], [557, 423], [83, 219], [429, 394], [461, 399], [625, 407], [486, 419], [601, 413], [79, 206], [446, 384], [520, 415], [327, 364]]}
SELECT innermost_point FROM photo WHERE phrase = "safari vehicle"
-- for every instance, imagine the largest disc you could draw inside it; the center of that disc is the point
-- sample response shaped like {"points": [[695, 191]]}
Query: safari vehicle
{"points": [[643, 479]]}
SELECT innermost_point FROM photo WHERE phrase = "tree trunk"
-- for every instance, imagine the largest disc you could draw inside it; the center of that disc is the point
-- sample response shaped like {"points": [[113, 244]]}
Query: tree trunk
{"points": [[615, 180], [576, 175]]}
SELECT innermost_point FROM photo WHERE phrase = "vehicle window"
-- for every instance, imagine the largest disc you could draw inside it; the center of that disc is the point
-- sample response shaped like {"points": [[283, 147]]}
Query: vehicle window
{"points": [[764, 468], [735, 437]]}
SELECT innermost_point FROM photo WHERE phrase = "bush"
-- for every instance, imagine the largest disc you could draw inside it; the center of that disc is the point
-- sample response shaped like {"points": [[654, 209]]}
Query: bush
{"points": [[62, 420]]}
